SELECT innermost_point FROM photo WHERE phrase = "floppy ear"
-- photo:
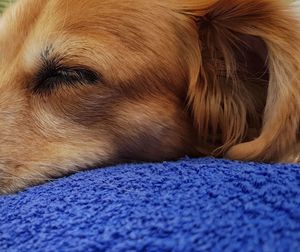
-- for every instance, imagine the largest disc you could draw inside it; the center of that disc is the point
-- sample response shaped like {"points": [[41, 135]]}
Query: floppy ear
{"points": [[220, 95]]}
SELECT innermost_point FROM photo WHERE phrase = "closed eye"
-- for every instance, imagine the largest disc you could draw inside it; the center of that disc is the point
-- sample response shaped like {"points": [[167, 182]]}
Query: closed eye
{"points": [[52, 76]]}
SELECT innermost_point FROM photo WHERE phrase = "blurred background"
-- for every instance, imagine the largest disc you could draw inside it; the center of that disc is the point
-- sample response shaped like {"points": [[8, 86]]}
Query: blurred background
{"points": [[4, 4]]}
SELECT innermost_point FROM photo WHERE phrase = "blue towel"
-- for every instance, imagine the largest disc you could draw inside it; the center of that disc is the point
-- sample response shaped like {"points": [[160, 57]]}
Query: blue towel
{"points": [[189, 205]]}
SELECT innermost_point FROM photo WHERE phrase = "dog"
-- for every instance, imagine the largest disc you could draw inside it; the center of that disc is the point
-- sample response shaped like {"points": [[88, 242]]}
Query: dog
{"points": [[93, 83]]}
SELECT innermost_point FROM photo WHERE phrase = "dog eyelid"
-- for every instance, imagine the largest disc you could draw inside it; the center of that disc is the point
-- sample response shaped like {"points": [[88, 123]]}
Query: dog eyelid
{"points": [[53, 76], [78, 74]]}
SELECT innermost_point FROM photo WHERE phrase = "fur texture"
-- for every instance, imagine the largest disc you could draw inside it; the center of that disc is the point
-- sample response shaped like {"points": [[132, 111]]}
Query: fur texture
{"points": [[87, 83]]}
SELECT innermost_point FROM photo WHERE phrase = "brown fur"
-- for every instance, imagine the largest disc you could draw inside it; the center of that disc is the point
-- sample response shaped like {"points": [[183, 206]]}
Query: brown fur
{"points": [[86, 83]]}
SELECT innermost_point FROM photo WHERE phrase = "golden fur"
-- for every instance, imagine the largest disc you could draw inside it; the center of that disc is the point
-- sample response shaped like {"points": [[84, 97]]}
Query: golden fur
{"points": [[89, 83]]}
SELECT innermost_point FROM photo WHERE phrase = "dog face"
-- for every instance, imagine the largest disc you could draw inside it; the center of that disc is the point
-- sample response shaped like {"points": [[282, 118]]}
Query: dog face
{"points": [[86, 83]]}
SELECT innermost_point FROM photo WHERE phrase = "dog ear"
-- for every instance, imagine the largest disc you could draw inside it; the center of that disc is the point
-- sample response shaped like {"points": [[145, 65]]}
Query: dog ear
{"points": [[219, 93]]}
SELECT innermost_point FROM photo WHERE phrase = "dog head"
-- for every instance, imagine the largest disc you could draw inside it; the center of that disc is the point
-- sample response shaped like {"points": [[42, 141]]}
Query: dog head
{"points": [[89, 83], [86, 83]]}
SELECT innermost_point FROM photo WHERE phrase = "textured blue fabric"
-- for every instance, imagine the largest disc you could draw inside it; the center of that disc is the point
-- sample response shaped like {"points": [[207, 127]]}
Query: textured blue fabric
{"points": [[189, 205]]}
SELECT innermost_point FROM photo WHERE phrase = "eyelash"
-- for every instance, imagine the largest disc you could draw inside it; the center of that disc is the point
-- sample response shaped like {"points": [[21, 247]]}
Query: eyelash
{"points": [[52, 76]]}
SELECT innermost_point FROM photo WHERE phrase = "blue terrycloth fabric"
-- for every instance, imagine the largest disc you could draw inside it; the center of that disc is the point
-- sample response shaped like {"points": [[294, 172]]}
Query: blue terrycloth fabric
{"points": [[189, 205]]}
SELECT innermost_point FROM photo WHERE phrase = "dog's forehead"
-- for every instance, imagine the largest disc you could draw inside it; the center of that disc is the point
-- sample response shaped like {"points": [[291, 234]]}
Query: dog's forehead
{"points": [[117, 38], [105, 29], [31, 16], [68, 50], [87, 14]]}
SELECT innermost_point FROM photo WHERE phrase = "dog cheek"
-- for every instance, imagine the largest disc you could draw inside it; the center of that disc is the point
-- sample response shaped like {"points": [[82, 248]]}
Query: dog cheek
{"points": [[152, 129]]}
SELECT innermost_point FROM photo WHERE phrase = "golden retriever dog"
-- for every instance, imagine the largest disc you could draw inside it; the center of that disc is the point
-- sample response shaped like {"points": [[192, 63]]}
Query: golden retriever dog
{"points": [[97, 82]]}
